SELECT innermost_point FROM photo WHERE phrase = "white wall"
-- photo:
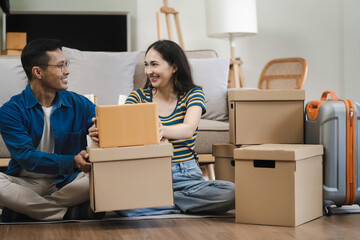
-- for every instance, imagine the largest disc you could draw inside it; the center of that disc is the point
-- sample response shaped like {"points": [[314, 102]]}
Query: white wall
{"points": [[300, 28], [310, 29], [192, 23], [352, 49]]}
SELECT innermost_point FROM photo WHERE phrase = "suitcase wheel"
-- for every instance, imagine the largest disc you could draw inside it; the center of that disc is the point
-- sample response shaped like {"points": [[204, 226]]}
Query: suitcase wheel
{"points": [[328, 210]]}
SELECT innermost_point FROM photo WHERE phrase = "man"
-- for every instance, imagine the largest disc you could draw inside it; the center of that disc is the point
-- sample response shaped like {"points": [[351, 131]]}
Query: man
{"points": [[45, 128]]}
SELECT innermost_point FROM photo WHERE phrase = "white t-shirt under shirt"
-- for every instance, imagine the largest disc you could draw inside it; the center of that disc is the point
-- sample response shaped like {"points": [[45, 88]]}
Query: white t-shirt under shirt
{"points": [[47, 140], [46, 143]]}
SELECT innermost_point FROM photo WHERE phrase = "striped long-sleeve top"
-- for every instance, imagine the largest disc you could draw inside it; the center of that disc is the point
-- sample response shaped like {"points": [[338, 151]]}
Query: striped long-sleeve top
{"points": [[183, 148]]}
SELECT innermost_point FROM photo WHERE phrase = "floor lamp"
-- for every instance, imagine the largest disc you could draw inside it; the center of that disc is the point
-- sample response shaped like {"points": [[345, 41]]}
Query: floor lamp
{"points": [[231, 19]]}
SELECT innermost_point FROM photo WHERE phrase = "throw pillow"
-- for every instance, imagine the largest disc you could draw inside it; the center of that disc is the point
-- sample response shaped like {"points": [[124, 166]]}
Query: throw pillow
{"points": [[212, 75], [104, 74], [12, 76]]}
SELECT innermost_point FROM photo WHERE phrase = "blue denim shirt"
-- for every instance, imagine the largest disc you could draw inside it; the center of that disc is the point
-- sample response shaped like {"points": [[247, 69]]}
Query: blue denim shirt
{"points": [[22, 124]]}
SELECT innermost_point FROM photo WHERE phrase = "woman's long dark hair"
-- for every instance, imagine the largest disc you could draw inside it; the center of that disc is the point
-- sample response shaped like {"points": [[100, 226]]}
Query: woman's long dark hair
{"points": [[172, 53]]}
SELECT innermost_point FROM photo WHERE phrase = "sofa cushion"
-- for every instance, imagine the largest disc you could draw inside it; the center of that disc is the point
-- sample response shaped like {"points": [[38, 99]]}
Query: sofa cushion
{"points": [[12, 76], [105, 74], [212, 75], [209, 133]]}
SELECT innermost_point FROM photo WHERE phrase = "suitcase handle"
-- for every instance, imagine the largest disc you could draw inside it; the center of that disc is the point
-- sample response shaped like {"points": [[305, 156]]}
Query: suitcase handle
{"points": [[312, 109], [332, 94]]}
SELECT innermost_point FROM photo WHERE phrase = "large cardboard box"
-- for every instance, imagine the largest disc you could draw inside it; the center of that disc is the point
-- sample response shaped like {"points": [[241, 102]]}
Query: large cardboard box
{"points": [[131, 177], [266, 116], [278, 184], [15, 40], [128, 125]]}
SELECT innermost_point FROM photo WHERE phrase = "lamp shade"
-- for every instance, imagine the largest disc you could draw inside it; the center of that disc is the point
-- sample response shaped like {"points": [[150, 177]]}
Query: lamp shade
{"points": [[230, 18]]}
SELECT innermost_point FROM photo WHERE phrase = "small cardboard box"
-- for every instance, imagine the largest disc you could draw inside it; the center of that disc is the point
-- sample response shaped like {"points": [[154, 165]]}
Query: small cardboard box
{"points": [[128, 125], [15, 40], [131, 177], [266, 116], [278, 184], [11, 52], [224, 161]]}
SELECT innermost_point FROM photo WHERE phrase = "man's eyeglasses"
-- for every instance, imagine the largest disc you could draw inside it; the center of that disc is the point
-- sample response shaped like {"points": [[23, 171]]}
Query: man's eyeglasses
{"points": [[62, 66]]}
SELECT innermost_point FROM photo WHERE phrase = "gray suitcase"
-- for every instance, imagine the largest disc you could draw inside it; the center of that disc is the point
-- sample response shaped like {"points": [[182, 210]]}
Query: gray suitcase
{"points": [[334, 123]]}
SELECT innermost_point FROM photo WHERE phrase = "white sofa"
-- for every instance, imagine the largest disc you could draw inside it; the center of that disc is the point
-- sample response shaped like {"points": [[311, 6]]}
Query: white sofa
{"points": [[109, 74]]}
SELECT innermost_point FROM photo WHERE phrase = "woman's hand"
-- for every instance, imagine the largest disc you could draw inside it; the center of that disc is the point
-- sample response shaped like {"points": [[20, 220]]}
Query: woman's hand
{"points": [[161, 131], [94, 133], [186, 129]]}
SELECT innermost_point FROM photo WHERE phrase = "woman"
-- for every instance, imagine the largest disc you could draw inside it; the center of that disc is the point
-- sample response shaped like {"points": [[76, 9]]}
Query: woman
{"points": [[181, 104]]}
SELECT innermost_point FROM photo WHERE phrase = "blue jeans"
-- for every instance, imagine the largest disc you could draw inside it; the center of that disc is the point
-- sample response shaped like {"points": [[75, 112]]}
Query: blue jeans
{"points": [[192, 194]]}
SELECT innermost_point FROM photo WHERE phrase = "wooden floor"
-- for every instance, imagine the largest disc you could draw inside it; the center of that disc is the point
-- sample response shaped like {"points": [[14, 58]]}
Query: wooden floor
{"points": [[330, 228]]}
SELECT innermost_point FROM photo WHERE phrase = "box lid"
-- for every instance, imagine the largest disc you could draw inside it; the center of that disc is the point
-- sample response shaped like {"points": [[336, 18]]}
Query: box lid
{"points": [[282, 152], [243, 94], [97, 154]]}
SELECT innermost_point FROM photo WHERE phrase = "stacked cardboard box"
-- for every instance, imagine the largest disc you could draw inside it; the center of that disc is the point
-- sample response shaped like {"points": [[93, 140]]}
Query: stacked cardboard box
{"points": [[131, 168], [15, 42], [258, 118], [224, 161], [278, 184], [266, 116], [128, 125]]}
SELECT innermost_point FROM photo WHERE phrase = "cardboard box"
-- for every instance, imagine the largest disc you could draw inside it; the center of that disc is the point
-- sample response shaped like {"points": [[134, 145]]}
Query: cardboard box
{"points": [[11, 52], [278, 184], [128, 125], [15, 40], [131, 177], [266, 116], [224, 161]]}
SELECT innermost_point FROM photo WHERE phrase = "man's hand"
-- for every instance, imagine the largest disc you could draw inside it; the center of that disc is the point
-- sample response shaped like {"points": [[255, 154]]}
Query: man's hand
{"points": [[81, 163], [94, 133]]}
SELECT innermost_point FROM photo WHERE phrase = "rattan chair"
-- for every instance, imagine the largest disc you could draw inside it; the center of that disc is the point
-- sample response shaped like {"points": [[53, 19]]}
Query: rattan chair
{"points": [[284, 73]]}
